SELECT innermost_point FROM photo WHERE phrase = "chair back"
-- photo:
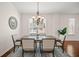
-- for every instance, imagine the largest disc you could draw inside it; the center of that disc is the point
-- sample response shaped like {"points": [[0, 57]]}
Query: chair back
{"points": [[62, 37], [13, 40], [64, 40], [16, 37], [48, 44], [28, 44]]}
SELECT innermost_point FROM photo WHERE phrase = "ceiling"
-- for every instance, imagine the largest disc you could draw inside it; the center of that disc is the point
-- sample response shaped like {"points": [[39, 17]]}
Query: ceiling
{"points": [[48, 7]]}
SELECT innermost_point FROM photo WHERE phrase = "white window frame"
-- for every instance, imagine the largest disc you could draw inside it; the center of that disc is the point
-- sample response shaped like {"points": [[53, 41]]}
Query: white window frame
{"points": [[71, 27]]}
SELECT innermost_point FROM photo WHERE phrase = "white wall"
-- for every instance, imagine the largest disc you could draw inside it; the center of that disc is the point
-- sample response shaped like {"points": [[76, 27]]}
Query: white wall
{"points": [[54, 22], [7, 10]]}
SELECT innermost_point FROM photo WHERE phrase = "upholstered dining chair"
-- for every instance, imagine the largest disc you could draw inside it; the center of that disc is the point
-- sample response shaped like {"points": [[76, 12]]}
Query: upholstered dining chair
{"points": [[28, 45], [16, 42], [60, 42], [48, 45]]}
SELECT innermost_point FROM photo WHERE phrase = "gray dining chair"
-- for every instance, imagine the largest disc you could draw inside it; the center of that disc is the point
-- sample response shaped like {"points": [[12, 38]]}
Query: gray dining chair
{"points": [[28, 45], [60, 43], [47, 45], [16, 42]]}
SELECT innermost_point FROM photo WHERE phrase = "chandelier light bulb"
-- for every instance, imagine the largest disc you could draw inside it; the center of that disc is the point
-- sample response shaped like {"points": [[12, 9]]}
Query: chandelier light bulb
{"points": [[42, 17], [33, 17]]}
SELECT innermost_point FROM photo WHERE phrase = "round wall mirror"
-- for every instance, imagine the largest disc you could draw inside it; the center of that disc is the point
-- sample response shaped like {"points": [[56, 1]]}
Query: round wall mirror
{"points": [[12, 22]]}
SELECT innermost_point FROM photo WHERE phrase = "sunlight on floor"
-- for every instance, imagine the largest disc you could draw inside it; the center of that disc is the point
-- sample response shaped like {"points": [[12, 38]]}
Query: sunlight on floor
{"points": [[70, 50]]}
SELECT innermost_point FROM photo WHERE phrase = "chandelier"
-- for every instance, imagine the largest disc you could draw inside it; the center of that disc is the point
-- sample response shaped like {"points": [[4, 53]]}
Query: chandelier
{"points": [[39, 19]]}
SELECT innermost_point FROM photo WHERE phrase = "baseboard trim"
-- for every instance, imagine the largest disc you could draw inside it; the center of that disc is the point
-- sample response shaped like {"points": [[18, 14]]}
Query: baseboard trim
{"points": [[7, 53]]}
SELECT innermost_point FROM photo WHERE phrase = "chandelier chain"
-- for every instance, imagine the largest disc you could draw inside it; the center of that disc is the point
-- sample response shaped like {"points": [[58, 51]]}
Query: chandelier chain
{"points": [[38, 8]]}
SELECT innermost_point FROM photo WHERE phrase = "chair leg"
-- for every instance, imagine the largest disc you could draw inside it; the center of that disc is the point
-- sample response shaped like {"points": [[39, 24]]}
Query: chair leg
{"points": [[22, 53], [18, 46], [41, 53], [14, 49], [62, 49], [53, 53], [34, 54]]}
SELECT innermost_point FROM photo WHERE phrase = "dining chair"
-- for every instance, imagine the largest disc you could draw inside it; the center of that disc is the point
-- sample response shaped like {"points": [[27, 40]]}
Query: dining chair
{"points": [[28, 45], [60, 42], [47, 45], [16, 42]]}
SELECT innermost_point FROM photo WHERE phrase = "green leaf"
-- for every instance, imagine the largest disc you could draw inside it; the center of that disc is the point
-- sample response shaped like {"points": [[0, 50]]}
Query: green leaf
{"points": [[63, 31]]}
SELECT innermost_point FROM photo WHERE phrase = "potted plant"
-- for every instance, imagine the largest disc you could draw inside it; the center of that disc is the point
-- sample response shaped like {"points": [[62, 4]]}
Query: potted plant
{"points": [[62, 32]]}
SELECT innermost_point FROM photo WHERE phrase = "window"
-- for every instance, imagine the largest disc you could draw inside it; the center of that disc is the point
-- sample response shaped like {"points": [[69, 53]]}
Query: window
{"points": [[71, 26], [34, 28]]}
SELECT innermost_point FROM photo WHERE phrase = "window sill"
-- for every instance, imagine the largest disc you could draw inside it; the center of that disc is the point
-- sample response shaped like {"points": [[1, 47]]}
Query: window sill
{"points": [[71, 34]]}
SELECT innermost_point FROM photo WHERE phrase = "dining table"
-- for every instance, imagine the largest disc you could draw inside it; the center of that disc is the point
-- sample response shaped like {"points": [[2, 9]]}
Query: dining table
{"points": [[38, 39]]}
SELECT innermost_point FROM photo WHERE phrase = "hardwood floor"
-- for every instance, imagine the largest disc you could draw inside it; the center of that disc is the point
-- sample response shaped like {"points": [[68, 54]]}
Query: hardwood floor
{"points": [[72, 48]]}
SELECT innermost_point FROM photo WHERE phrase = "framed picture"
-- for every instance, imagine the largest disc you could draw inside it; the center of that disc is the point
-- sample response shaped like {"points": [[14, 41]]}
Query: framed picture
{"points": [[12, 22]]}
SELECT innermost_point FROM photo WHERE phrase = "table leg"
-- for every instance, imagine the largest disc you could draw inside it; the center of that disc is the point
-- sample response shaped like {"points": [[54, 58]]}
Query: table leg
{"points": [[38, 54]]}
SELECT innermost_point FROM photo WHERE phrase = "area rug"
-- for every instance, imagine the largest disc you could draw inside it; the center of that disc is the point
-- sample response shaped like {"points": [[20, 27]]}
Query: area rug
{"points": [[57, 53]]}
